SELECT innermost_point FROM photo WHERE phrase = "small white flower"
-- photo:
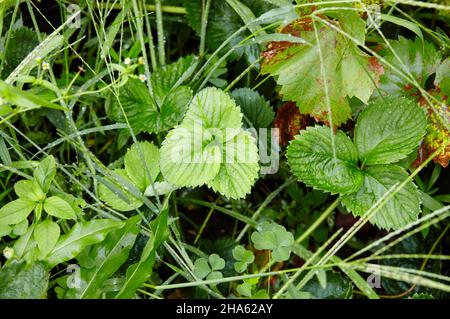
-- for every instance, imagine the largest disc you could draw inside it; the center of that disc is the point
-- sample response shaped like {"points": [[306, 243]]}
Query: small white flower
{"points": [[141, 60], [142, 77], [8, 252], [45, 66], [127, 61]]}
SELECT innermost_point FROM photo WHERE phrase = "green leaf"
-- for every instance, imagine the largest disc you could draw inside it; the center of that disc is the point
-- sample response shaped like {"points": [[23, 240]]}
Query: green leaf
{"points": [[313, 161], [186, 161], [5, 230], [274, 237], [349, 20], [159, 188], [24, 100], [16, 211], [191, 153], [214, 275], [422, 296], [45, 173], [77, 203], [166, 79], [139, 272], [20, 228], [239, 169], [46, 235], [142, 110], [401, 209], [244, 258], [141, 160], [336, 287], [418, 58], [257, 111], [388, 130], [412, 26], [50, 43], [108, 256], [208, 268], [202, 268], [58, 207], [19, 280], [22, 41], [29, 189], [245, 289], [79, 237], [210, 147], [216, 262], [347, 71], [25, 243], [113, 199], [213, 108]]}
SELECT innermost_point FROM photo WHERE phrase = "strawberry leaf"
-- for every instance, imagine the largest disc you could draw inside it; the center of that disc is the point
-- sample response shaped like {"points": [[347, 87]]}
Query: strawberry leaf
{"points": [[257, 111], [313, 161], [398, 211], [209, 147], [347, 71], [388, 130]]}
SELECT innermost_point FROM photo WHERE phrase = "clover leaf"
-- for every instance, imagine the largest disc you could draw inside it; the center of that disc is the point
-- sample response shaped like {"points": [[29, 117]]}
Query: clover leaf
{"points": [[209, 268], [244, 258], [248, 289], [274, 237]]}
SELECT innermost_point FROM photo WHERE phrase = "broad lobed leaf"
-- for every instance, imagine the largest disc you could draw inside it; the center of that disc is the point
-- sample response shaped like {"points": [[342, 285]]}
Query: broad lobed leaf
{"points": [[239, 169], [401, 209], [388, 130], [325, 161], [257, 111], [319, 76], [209, 147]]}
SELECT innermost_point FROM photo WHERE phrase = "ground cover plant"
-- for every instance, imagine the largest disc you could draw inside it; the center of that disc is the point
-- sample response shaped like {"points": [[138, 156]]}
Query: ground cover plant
{"points": [[224, 149]]}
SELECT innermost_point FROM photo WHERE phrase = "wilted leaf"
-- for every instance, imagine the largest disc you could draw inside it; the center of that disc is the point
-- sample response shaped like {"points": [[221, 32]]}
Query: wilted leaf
{"points": [[347, 71], [289, 122], [418, 58]]}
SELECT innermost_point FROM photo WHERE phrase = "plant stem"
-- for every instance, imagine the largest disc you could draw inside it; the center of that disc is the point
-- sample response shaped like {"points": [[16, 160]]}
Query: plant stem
{"points": [[141, 39], [151, 44], [211, 210], [148, 7], [205, 14], [319, 221], [160, 30]]}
